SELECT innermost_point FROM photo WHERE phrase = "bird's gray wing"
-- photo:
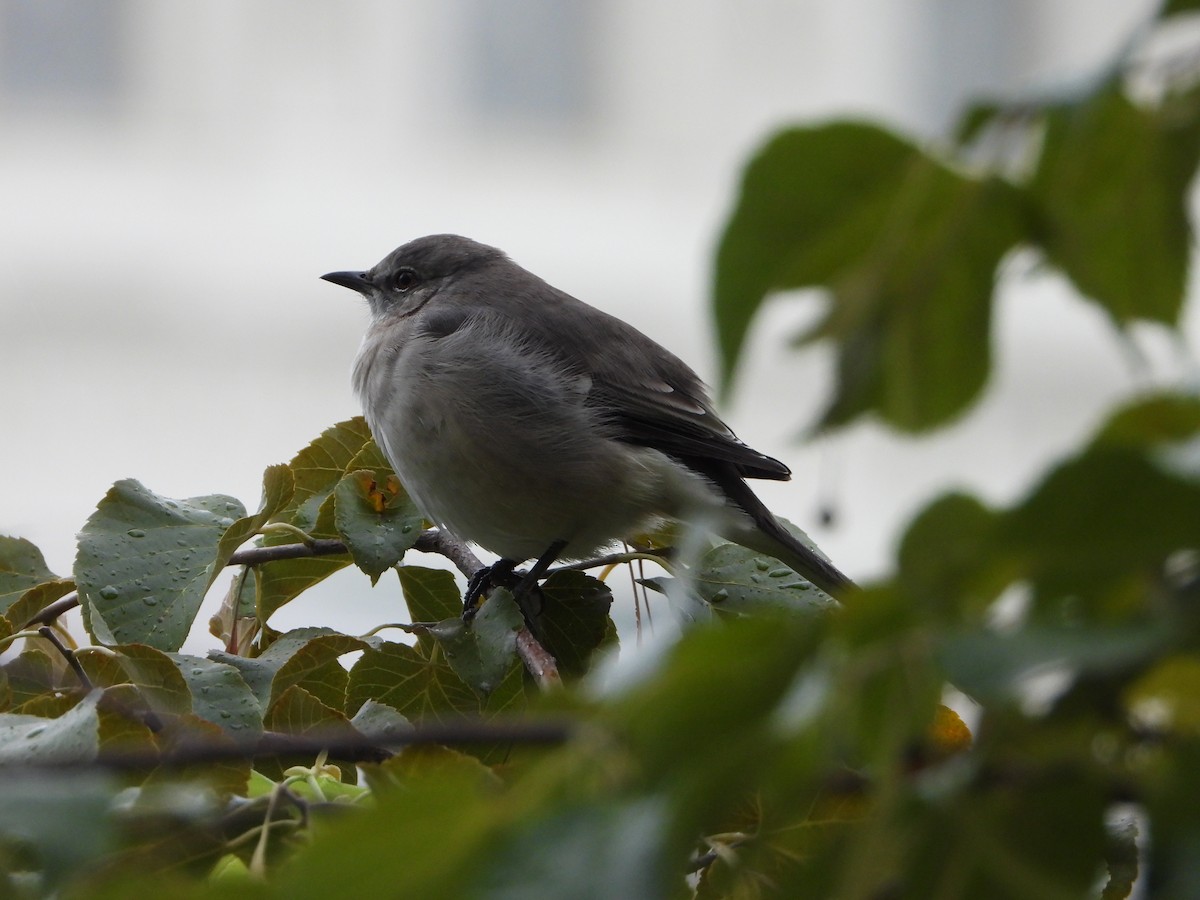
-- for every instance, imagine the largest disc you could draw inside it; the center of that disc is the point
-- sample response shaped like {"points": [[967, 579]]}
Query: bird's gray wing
{"points": [[647, 395]]}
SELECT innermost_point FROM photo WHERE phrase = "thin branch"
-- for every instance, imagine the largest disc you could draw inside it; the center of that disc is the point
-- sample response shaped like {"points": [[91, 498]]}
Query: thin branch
{"points": [[339, 746], [255, 556], [443, 543], [49, 634], [541, 665], [52, 611], [660, 556]]}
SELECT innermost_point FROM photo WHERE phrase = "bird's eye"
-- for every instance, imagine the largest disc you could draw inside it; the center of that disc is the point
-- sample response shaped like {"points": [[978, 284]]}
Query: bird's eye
{"points": [[404, 280]]}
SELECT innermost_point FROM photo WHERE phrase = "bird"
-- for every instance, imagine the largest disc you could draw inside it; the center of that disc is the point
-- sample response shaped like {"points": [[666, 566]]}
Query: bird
{"points": [[531, 424]]}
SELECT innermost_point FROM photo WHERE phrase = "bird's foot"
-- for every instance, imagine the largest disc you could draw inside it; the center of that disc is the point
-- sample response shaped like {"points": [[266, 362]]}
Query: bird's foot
{"points": [[501, 573]]}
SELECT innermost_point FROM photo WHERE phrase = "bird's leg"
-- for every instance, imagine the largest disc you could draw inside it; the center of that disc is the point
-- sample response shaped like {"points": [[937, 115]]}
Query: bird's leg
{"points": [[501, 573], [498, 573]]}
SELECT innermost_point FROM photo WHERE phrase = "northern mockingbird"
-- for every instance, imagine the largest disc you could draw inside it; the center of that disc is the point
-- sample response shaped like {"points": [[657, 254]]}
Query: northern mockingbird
{"points": [[529, 423]]}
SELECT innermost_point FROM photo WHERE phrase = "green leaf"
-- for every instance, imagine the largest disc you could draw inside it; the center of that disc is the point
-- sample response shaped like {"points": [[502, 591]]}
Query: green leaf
{"points": [[992, 666], [415, 685], [1111, 191], [296, 711], [73, 737], [316, 471], [1177, 7], [36, 599], [315, 667], [278, 487], [1105, 519], [40, 808], [432, 595], [428, 840], [378, 721], [1156, 419], [22, 567], [145, 562], [945, 552], [376, 519], [595, 850], [32, 674], [157, 677], [575, 620], [482, 653], [908, 247], [737, 580], [259, 672], [221, 696]]}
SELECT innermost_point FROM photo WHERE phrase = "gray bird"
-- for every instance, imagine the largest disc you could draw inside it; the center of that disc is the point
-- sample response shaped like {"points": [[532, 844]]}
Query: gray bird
{"points": [[529, 423]]}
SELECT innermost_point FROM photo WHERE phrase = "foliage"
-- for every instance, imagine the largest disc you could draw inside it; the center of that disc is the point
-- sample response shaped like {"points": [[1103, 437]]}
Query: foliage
{"points": [[783, 746]]}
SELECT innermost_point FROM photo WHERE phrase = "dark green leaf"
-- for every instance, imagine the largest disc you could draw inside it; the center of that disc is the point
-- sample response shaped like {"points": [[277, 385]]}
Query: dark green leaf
{"points": [[157, 677], [316, 470], [1112, 193], [33, 673], [432, 595], [220, 696], [944, 553], [419, 687], [1107, 518], [988, 665], [296, 711], [145, 562], [428, 840], [1157, 419], [482, 653], [1176, 7], [259, 672], [376, 519], [40, 808], [908, 247], [378, 721], [593, 850], [36, 599], [315, 667], [575, 620], [22, 567]]}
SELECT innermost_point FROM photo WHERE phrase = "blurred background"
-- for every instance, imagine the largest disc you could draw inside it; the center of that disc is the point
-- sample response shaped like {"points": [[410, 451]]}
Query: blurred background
{"points": [[175, 177]]}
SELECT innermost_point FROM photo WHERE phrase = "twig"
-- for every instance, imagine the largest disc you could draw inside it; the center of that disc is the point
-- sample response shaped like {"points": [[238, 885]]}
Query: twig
{"points": [[339, 746], [541, 665], [661, 556], [437, 541], [49, 634], [52, 611], [255, 556]]}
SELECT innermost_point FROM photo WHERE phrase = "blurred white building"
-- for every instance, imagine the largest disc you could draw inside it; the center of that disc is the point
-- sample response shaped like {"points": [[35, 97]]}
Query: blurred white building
{"points": [[175, 176]]}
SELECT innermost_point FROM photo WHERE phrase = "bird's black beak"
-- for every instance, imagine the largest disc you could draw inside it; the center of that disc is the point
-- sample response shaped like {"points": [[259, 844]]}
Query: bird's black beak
{"points": [[358, 281]]}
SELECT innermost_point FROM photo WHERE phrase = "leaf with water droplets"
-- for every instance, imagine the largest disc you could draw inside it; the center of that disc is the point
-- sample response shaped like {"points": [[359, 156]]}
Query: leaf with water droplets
{"points": [[483, 652], [220, 695], [22, 567], [736, 580], [72, 737], [376, 518], [145, 562]]}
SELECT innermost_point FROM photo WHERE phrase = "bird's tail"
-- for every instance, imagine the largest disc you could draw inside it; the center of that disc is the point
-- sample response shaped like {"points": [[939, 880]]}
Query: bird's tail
{"points": [[767, 534]]}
